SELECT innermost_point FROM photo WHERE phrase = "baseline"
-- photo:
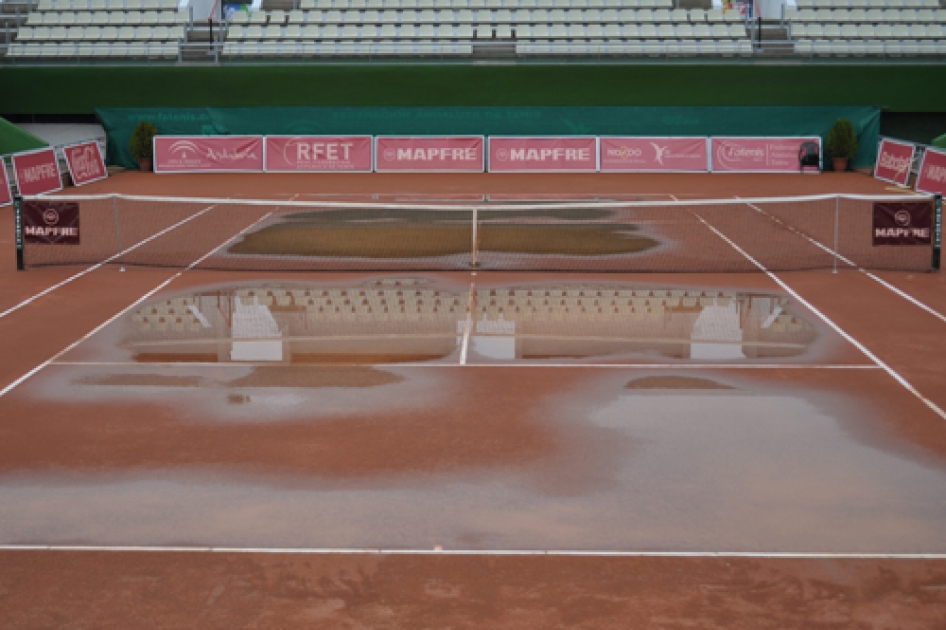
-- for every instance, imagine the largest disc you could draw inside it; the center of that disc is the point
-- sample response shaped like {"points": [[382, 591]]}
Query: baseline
{"points": [[631, 366]]}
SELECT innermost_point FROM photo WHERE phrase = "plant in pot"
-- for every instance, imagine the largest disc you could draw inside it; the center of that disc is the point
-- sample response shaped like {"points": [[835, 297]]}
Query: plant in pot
{"points": [[841, 143], [141, 144]]}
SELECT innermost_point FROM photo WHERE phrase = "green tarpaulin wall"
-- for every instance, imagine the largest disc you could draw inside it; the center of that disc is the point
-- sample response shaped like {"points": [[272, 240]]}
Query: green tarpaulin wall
{"points": [[940, 141], [13, 139], [495, 121]]}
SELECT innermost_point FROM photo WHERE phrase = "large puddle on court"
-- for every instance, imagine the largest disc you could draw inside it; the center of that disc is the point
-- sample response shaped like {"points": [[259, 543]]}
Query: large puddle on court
{"points": [[410, 320]]}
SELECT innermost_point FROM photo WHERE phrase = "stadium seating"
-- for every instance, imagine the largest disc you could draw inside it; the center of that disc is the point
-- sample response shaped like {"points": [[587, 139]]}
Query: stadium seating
{"points": [[103, 29], [455, 27], [839, 28]]}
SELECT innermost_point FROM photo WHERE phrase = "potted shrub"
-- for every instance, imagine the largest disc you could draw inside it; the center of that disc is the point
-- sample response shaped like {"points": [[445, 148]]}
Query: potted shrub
{"points": [[841, 143], [141, 144]]}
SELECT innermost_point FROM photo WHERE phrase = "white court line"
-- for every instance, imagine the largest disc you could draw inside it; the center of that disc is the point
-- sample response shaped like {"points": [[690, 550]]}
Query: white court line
{"points": [[10, 387], [104, 262], [468, 329], [631, 366], [813, 555], [870, 355], [847, 261]]}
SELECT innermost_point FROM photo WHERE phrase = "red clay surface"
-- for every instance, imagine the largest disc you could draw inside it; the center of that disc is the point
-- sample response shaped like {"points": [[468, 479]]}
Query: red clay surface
{"points": [[54, 589]]}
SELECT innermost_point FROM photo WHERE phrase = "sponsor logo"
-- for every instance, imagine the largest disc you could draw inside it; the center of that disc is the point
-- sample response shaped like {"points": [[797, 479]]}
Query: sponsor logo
{"points": [[188, 153], [502, 154], [894, 163], [917, 233], [38, 173], [936, 173], [623, 153], [731, 152], [557, 154], [902, 217], [38, 230], [50, 216], [85, 163], [436, 153], [390, 155], [301, 152]]}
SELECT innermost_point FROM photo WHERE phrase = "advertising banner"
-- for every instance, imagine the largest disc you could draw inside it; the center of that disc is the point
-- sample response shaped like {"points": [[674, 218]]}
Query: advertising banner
{"points": [[543, 155], [6, 196], [453, 154], [207, 154], [932, 177], [894, 160], [85, 163], [766, 155], [646, 155], [37, 172], [310, 154], [903, 223], [51, 222]]}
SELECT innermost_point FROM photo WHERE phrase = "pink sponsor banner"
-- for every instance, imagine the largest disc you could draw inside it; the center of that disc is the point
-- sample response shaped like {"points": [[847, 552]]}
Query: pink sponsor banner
{"points": [[762, 155], [85, 163], [309, 154], [444, 154], [37, 172], [647, 155], [566, 154], [932, 177], [6, 197], [206, 154], [894, 160]]}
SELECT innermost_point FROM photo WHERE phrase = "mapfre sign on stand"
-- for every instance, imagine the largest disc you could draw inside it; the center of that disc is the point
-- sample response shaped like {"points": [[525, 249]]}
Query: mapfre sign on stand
{"points": [[431, 154], [85, 163], [932, 177], [207, 154], [568, 154], [37, 172]]}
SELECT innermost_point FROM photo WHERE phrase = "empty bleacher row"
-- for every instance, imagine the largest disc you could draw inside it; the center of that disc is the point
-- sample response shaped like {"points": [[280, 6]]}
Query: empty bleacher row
{"points": [[103, 29], [453, 31], [867, 28]]}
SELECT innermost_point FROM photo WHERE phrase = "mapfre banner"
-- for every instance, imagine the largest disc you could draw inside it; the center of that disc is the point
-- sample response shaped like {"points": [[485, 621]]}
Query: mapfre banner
{"points": [[51, 222], [203, 154], [453, 154], [309, 154], [903, 223], [646, 155], [37, 172], [932, 177], [894, 160], [85, 163], [765, 155], [543, 155], [6, 197]]}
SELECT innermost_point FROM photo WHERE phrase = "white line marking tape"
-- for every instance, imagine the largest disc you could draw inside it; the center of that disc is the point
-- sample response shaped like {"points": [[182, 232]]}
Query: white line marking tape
{"points": [[634, 366], [870, 355], [101, 264], [815, 555]]}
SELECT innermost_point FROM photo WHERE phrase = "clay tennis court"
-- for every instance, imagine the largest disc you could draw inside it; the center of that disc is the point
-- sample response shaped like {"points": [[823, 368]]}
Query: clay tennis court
{"points": [[472, 448]]}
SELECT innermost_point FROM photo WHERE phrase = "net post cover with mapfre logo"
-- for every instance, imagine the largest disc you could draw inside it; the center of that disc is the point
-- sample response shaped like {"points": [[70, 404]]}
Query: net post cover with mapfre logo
{"points": [[903, 223], [50, 222]]}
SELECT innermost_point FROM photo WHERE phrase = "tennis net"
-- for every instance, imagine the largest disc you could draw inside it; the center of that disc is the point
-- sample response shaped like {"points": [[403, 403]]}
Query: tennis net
{"points": [[718, 235]]}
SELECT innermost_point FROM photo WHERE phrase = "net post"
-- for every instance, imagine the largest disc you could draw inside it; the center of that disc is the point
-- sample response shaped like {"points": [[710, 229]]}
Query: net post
{"points": [[937, 230], [18, 226], [837, 221], [118, 232], [474, 247]]}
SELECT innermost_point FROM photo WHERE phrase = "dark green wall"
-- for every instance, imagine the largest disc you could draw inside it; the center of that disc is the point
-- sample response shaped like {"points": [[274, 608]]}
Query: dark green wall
{"points": [[78, 90]]}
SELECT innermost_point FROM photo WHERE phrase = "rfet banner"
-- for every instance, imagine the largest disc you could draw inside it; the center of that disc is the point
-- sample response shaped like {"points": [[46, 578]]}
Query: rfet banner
{"points": [[308, 154], [85, 163], [6, 197], [456, 154], [543, 154], [765, 155], [932, 177], [51, 222], [645, 155], [903, 223], [202, 154], [894, 160], [37, 172]]}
